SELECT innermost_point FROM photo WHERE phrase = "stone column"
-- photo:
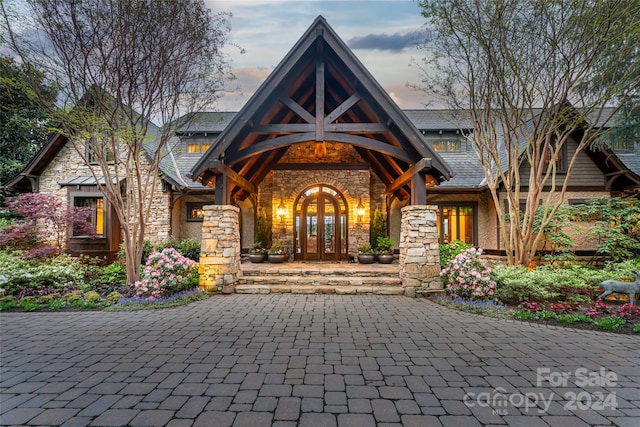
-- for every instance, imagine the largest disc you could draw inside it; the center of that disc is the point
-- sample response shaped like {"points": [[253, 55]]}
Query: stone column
{"points": [[220, 253], [419, 249]]}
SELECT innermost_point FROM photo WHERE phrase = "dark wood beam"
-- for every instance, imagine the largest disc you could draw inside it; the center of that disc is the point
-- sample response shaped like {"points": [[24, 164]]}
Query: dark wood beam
{"points": [[342, 108], [298, 109], [369, 143], [321, 166], [357, 127], [281, 128], [268, 145], [223, 190], [219, 168], [419, 189], [420, 167], [320, 93]]}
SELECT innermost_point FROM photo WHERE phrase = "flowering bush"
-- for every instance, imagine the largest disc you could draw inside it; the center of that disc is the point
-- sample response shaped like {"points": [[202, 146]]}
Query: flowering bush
{"points": [[628, 311], [532, 306], [468, 276], [166, 273]]}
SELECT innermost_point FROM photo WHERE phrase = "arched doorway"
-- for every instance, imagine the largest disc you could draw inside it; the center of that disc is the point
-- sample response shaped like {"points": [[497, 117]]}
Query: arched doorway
{"points": [[320, 225]]}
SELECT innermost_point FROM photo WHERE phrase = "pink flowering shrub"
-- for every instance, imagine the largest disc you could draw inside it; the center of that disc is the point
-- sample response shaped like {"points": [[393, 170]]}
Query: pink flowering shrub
{"points": [[166, 273], [469, 276]]}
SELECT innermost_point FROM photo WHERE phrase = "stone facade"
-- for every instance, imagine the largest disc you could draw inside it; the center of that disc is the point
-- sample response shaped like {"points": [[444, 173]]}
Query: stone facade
{"points": [[220, 255], [68, 163], [419, 249]]}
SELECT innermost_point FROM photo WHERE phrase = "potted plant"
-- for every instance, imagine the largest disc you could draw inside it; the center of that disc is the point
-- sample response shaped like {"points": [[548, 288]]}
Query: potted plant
{"points": [[257, 253], [365, 254], [385, 250], [277, 253]]}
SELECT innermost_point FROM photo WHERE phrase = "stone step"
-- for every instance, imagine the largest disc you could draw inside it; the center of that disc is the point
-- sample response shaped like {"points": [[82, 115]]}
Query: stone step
{"points": [[318, 289], [321, 280], [334, 269]]}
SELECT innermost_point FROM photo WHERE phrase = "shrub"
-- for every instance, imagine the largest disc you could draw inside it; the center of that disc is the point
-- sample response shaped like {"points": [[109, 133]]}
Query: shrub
{"points": [[166, 273], [28, 305], [449, 251], [377, 227], [572, 282], [114, 297], [56, 304], [636, 328], [469, 276], [46, 299], [611, 322], [73, 296], [91, 296], [22, 277], [190, 248], [109, 278]]}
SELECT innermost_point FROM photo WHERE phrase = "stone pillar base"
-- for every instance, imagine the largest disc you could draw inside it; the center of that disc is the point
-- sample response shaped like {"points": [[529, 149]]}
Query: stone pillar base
{"points": [[419, 249], [220, 255]]}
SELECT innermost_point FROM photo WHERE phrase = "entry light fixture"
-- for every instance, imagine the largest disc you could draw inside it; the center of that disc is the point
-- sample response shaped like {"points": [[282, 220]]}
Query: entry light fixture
{"points": [[360, 211], [281, 211]]}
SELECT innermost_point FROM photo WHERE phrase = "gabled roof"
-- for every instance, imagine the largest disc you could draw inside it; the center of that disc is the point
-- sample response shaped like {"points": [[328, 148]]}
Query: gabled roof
{"points": [[319, 92]]}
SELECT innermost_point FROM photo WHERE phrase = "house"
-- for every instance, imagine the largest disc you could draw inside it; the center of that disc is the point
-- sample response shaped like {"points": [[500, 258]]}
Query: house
{"points": [[319, 147]]}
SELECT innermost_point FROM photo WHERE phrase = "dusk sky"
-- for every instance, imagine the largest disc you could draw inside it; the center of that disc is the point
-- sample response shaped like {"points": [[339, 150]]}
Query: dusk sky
{"points": [[382, 34]]}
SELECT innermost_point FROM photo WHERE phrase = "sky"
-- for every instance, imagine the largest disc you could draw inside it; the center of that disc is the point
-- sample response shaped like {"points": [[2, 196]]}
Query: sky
{"points": [[382, 34]]}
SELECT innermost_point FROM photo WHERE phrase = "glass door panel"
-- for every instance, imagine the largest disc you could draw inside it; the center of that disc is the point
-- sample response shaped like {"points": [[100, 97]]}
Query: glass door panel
{"points": [[329, 226]]}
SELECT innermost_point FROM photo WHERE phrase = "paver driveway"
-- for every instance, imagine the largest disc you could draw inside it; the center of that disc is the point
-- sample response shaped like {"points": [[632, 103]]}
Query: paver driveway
{"points": [[311, 360]]}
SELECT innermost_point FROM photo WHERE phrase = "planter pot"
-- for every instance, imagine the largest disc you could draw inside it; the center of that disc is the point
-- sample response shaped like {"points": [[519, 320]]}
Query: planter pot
{"points": [[385, 258], [366, 258], [278, 258], [257, 257]]}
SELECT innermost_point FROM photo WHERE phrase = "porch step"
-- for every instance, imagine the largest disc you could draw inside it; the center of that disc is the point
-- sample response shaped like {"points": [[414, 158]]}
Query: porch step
{"points": [[319, 289], [320, 278]]}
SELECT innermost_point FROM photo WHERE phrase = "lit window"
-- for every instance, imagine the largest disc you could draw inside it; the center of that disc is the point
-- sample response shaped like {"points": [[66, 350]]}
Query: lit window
{"points": [[455, 223], [96, 217], [195, 211], [447, 145], [197, 147]]}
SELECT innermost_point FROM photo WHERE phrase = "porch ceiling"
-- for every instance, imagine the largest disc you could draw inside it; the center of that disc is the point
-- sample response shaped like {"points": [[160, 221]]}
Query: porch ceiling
{"points": [[319, 92]]}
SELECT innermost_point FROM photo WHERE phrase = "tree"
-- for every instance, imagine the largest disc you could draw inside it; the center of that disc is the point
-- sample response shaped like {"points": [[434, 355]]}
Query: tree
{"points": [[120, 64], [24, 122], [537, 79], [43, 224]]}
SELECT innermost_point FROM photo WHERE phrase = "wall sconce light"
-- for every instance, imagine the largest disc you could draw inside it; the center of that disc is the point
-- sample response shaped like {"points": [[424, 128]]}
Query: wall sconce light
{"points": [[281, 211], [360, 211]]}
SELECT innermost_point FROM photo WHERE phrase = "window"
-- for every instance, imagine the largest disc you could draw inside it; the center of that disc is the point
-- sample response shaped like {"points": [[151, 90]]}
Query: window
{"points": [[197, 147], [560, 158], [447, 145], [195, 211], [96, 218], [456, 223], [95, 147]]}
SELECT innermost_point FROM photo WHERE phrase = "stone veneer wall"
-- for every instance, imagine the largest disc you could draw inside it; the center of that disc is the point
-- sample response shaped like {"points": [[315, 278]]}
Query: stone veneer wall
{"points": [[419, 249], [220, 255], [68, 163]]}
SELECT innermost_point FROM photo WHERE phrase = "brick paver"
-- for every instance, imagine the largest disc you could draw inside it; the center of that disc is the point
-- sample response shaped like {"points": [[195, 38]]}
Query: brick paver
{"points": [[311, 360]]}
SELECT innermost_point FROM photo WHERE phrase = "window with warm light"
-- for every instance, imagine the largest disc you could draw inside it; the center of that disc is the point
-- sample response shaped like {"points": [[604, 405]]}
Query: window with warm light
{"points": [[456, 223], [96, 216], [197, 147], [195, 211]]}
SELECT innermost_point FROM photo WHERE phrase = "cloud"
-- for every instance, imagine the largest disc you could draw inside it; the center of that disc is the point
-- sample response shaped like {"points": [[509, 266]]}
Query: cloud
{"points": [[395, 42]]}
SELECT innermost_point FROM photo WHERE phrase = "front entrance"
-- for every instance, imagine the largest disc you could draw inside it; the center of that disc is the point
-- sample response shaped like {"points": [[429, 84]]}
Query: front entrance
{"points": [[320, 225]]}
